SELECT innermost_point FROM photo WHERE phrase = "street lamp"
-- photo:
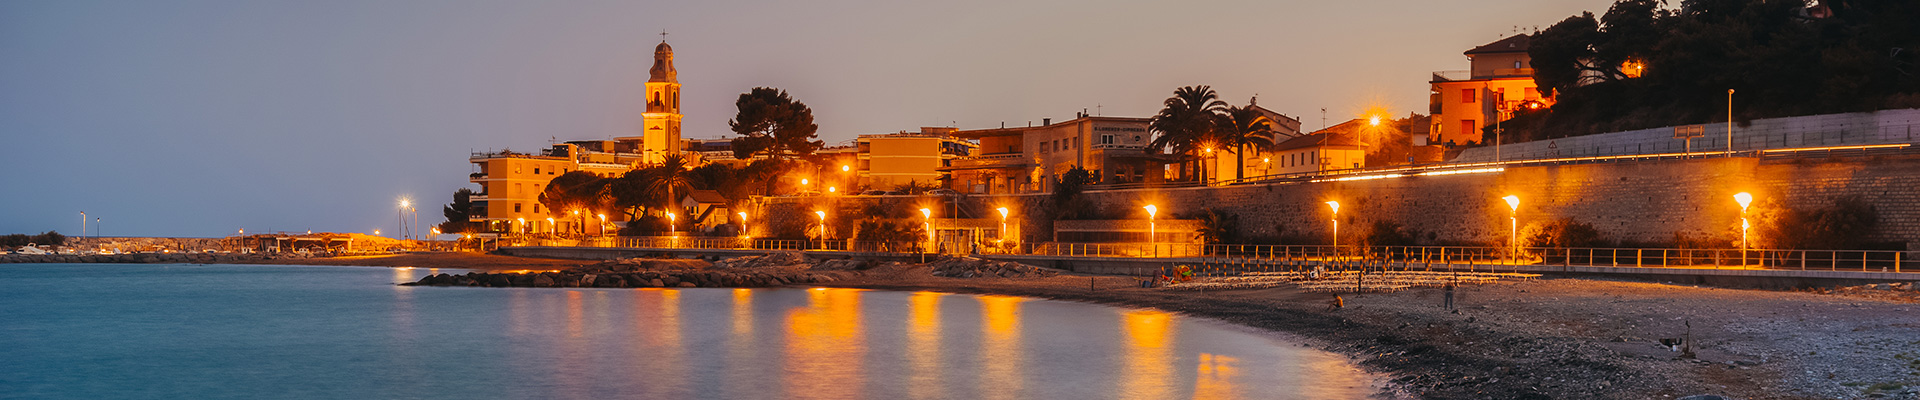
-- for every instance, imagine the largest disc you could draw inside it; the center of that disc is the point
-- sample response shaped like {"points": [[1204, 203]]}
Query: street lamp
{"points": [[404, 204], [523, 224], [1744, 199], [1513, 223], [1336, 223], [931, 242], [603, 224], [1151, 210], [743, 225], [823, 227], [550, 224], [671, 221], [1003, 224]]}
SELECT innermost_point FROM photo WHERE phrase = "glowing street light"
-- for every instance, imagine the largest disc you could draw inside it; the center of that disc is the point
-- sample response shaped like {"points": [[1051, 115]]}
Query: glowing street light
{"points": [[1151, 211], [523, 224], [1003, 224], [743, 225], [1513, 223], [671, 221], [833, 189], [1336, 223], [603, 224], [844, 168], [1744, 199], [928, 213], [402, 216], [823, 227], [1375, 121], [550, 224]]}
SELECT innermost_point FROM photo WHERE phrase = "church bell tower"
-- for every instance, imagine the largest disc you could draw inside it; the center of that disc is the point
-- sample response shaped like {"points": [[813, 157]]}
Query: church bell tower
{"points": [[662, 135]]}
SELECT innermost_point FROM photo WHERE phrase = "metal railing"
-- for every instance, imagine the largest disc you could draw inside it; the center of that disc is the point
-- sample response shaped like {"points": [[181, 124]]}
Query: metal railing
{"points": [[1270, 257]]}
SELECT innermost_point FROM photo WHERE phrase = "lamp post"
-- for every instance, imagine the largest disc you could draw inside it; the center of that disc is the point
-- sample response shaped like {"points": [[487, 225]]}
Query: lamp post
{"points": [[1206, 176], [743, 225], [523, 224], [672, 220], [603, 224], [1513, 225], [1151, 235], [1730, 122], [550, 225], [1336, 225], [83, 225], [1003, 225], [823, 227], [401, 215], [1744, 199], [931, 241]]}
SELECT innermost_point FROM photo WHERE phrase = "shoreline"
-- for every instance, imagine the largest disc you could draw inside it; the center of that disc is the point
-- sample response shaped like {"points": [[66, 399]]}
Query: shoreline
{"points": [[1546, 338]]}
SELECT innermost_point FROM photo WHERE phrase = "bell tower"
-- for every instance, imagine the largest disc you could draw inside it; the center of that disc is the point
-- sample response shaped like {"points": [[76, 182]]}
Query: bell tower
{"points": [[662, 135]]}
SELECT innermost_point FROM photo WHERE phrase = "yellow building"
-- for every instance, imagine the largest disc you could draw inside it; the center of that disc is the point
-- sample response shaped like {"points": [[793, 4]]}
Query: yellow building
{"points": [[1224, 163], [1499, 81], [887, 161], [1029, 159], [1335, 148], [511, 182]]}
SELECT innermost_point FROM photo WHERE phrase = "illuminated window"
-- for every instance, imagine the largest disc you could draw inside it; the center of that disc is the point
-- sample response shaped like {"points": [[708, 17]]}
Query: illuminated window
{"points": [[1516, 64], [1467, 95]]}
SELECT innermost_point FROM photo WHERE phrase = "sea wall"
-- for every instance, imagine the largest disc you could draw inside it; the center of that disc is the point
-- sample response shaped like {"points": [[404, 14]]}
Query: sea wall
{"points": [[1648, 201], [1878, 127]]}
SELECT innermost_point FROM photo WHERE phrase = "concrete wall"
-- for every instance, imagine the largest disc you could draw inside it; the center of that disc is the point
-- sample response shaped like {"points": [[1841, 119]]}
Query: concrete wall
{"points": [[1880, 127], [1641, 201]]}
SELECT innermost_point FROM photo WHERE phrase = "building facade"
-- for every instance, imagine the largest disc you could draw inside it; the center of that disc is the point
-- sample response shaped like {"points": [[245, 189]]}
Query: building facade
{"points": [[1030, 159], [1498, 82], [888, 161]]}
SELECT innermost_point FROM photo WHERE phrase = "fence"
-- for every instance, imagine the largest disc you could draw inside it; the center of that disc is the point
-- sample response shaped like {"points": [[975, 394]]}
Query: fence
{"points": [[1267, 257]]}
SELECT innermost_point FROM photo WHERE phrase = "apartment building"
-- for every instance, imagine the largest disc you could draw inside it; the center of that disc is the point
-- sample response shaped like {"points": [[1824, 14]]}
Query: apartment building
{"points": [[1498, 82], [1029, 159]]}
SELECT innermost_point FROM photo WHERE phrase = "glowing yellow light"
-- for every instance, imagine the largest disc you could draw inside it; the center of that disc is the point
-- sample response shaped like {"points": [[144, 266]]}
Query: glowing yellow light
{"points": [[844, 168], [832, 189], [404, 203], [1375, 120], [376, 232], [1003, 212], [1513, 202], [822, 214], [1743, 223], [1209, 149], [926, 212], [743, 216], [1151, 210], [1744, 199], [803, 181], [1267, 160], [1335, 205], [670, 217]]}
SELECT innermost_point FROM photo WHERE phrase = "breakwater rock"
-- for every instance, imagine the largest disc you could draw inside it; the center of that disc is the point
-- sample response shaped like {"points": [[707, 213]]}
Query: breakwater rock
{"points": [[157, 258]]}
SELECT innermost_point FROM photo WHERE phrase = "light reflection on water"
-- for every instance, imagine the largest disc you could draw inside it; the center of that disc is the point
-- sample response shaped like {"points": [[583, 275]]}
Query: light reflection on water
{"points": [[93, 331]]}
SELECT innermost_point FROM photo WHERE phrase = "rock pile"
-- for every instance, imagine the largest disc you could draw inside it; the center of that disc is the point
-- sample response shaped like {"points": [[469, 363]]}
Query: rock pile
{"points": [[969, 267], [776, 259], [643, 264], [665, 278], [840, 265]]}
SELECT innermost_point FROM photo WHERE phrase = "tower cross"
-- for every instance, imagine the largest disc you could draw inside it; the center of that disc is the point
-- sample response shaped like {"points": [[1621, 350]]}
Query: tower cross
{"points": [[663, 36]]}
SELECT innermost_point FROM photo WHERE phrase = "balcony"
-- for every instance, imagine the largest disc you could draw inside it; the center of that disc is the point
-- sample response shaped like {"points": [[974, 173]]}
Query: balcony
{"points": [[477, 175], [1451, 76], [1001, 160]]}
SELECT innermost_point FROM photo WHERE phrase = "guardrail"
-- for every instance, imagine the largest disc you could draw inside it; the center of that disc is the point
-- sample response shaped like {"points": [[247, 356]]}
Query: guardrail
{"points": [[1268, 257]]}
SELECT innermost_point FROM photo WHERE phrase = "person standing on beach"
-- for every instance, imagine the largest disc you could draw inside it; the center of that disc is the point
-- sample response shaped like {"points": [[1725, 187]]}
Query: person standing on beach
{"points": [[1449, 295]]}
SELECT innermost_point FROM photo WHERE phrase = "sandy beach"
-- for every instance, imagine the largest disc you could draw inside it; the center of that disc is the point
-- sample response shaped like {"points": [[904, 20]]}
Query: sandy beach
{"points": [[1543, 338]]}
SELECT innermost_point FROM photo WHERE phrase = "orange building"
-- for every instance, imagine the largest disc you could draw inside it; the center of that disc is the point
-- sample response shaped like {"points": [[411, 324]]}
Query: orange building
{"points": [[1030, 159], [1499, 82]]}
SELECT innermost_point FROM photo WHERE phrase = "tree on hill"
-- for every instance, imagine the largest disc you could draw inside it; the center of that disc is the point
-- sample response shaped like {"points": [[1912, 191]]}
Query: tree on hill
{"points": [[773, 124], [1782, 58]]}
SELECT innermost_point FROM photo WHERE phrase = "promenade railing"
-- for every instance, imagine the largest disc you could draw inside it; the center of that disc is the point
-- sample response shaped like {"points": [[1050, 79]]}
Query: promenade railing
{"points": [[1269, 257]]}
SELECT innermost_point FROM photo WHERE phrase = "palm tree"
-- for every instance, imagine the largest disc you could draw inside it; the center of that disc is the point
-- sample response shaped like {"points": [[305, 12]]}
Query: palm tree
{"points": [[1188, 120], [1242, 126], [671, 173]]}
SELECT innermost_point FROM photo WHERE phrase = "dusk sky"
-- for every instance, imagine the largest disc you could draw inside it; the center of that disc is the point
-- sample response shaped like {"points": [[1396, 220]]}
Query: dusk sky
{"points": [[198, 118]]}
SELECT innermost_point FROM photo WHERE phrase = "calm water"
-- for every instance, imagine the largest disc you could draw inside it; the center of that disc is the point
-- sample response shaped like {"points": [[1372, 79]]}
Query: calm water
{"points": [[223, 331]]}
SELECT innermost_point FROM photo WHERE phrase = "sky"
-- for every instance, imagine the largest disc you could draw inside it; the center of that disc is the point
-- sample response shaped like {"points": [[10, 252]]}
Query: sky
{"points": [[200, 118]]}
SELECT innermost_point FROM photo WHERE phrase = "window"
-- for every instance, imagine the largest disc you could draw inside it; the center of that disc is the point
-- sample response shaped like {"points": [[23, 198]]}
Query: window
{"points": [[1466, 126], [516, 207], [536, 208], [536, 170], [1516, 64], [1467, 95]]}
